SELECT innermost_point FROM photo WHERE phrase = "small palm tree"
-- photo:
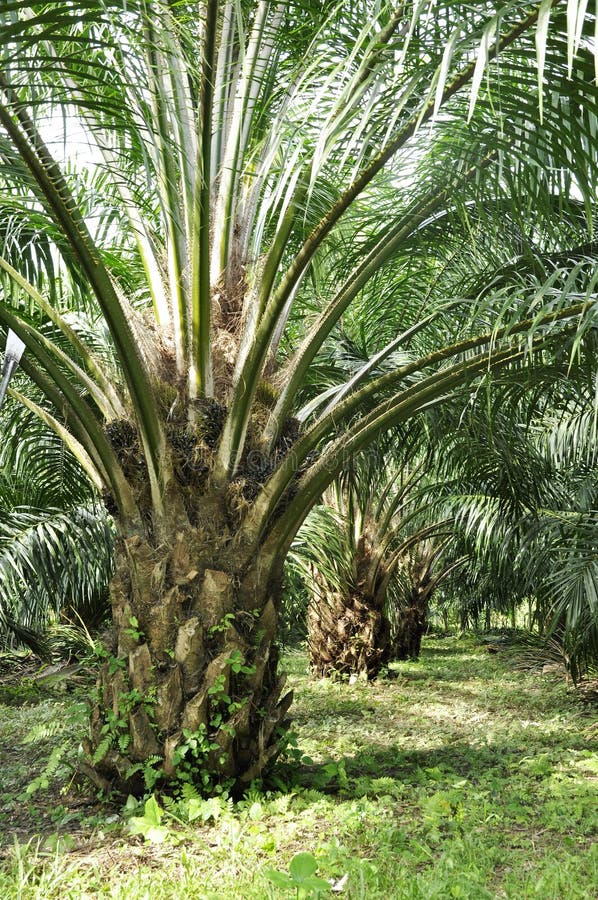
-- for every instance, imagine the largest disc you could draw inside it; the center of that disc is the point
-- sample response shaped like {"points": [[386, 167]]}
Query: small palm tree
{"points": [[372, 557], [265, 168], [368, 557], [422, 571], [56, 540], [525, 505]]}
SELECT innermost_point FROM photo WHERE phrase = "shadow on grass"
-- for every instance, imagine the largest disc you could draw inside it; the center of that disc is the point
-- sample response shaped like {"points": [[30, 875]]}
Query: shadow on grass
{"points": [[497, 764], [434, 652]]}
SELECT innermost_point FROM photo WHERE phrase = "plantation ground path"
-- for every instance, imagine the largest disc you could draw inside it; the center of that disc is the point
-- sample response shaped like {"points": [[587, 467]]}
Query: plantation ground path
{"points": [[461, 775]]}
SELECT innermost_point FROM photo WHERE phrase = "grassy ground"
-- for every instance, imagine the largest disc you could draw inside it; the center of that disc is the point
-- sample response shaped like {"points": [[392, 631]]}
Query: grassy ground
{"points": [[461, 777]]}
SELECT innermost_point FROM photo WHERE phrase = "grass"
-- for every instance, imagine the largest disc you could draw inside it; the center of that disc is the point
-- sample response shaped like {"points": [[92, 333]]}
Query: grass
{"points": [[460, 777]]}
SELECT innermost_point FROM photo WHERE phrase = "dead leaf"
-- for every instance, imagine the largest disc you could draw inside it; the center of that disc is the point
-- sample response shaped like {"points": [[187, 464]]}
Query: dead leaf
{"points": [[341, 884]]}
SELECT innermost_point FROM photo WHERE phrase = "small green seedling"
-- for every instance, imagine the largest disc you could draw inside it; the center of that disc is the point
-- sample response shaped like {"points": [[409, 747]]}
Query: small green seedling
{"points": [[148, 824], [302, 879], [134, 631]]}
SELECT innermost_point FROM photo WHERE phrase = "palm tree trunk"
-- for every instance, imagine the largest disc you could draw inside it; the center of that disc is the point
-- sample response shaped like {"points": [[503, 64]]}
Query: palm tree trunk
{"points": [[347, 634], [189, 687], [410, 626], [411, 618]]}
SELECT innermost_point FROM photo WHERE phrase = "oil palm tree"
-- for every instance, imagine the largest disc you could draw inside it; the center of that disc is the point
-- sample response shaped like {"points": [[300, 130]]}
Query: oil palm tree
{"points": [[56, 539], [525, 504], [566, 541], [423, 569], [371, 558], [263, 164]]}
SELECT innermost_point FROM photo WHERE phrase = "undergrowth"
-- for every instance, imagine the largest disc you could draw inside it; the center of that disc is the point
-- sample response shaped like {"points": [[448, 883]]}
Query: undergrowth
{"points": [[460, 776]]}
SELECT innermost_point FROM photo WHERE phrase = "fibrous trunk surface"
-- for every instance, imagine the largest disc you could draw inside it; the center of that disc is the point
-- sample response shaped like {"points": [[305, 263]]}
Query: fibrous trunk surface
{"points": [[190, 685], [410, 623], [189, 690], [348, 634]]}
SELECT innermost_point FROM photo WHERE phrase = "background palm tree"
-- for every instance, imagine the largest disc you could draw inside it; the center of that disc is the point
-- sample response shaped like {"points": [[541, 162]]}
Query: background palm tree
{"points": [[56, 540], [424, 568], [371, 560], [261, 167], [525, 511]]}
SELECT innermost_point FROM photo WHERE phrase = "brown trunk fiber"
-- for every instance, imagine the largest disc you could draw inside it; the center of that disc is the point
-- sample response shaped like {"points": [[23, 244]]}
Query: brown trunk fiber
{"points": [[410, 617], [189, 689], [409, 628], [347, 635]]}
